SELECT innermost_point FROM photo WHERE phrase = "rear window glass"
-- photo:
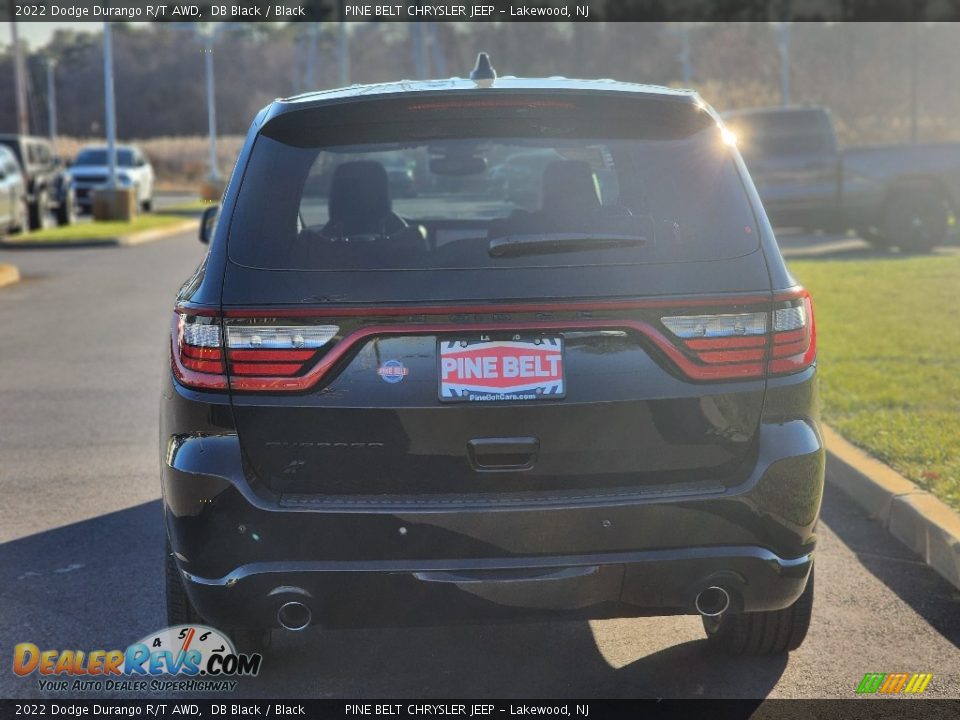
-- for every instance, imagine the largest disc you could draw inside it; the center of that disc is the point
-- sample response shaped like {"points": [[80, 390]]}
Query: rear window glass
{"points": [[98, 156], [468, 199]]}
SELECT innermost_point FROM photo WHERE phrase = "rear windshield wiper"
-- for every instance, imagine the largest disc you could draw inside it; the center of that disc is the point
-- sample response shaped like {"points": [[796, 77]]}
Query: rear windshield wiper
{"points": [[514, 245]]}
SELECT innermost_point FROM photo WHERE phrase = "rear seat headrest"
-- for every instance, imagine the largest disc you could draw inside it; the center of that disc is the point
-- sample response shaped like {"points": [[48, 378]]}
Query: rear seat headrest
{"points": [[569, 186], [359, 189]]}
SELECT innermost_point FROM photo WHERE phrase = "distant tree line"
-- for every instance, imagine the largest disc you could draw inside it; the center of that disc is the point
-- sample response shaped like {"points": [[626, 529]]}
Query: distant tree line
{"points": [[863, 71]]}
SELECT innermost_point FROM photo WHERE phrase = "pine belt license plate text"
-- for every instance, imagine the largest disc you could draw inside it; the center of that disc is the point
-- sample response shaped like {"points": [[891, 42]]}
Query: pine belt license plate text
{"points": [[482, 369]]}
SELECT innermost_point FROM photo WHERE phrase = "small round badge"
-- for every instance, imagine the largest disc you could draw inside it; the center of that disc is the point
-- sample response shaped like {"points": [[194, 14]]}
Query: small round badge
{"points": [[393, 371]]}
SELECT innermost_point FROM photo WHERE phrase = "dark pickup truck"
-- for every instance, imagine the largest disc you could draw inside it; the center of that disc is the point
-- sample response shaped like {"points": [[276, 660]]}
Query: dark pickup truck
{"points": [[893, 195], [48, 187]]}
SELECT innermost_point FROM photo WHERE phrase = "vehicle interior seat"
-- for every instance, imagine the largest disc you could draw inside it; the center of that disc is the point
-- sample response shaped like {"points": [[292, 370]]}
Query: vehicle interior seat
{"points": [[359, 202], [570, 190], [570, 203], [362, 229]]}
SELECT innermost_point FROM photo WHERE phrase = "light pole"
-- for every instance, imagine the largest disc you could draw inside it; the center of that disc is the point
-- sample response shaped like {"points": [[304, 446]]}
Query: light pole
{"points": [[914, 78], [436, 51], [19, 80], [419, 54], [110, 106], [784, 47], [311, 81], [343, 55], [207, 32], [51, 99], [685, 64], [682, 31]]}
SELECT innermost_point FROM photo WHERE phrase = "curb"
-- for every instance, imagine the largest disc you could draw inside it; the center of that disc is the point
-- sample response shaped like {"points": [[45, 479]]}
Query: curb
{"points": [[9, 274], [123, 240], [922, 522], [158, 234]]}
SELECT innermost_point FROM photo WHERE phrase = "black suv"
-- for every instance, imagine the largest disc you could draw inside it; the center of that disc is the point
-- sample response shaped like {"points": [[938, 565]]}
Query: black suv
{"points": [[453, 408], [48, 188]]}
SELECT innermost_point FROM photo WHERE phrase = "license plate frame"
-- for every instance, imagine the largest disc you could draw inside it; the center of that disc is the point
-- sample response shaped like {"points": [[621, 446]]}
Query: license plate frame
{"points": [[480, 368]]}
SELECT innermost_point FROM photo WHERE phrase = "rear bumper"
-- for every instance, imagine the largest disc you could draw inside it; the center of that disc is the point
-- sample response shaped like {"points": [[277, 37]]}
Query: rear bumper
{"points": [[660, 582], [245, 551]]}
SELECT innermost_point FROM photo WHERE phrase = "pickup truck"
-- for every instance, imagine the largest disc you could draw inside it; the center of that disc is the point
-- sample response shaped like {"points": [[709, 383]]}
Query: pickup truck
{"points": [[48, 187], [892, 195], [90, 170]]}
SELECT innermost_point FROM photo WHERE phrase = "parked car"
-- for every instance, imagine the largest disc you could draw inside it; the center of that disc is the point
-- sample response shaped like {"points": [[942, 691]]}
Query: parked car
{"points": [[90, 170], [902, 195], [446, 409], [14, 208], [48, 188]]}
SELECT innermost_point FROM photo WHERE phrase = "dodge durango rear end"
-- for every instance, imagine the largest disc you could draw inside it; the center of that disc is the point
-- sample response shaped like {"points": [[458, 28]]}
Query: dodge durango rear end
{"points": [[475, 396]]}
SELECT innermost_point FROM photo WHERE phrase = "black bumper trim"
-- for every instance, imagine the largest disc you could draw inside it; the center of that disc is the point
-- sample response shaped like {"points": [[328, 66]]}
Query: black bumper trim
{"points": [[471, 564]]}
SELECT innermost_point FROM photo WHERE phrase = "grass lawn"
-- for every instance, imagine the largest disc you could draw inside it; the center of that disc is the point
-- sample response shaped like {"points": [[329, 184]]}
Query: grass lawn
{"points": [[82, 232], [888, 341]]}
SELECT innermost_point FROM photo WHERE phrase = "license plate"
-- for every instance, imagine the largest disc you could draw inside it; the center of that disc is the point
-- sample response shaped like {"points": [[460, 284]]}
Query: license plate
{"points": [[482, 369]]}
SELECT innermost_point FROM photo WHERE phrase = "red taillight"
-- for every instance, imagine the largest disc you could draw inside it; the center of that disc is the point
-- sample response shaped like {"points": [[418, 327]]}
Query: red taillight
{"points": [[261, 353], [197, 351], [261, 350], [794, 335], [474, 104], [748, 344], [256, 351]]}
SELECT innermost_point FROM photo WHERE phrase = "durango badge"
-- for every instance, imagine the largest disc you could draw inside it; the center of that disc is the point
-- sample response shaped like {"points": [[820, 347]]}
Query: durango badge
{"points": [[393, 371]]}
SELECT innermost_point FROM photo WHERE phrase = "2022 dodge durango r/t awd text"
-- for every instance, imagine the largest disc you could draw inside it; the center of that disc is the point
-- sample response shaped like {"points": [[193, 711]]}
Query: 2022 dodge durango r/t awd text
{"points": [[445, 408]]}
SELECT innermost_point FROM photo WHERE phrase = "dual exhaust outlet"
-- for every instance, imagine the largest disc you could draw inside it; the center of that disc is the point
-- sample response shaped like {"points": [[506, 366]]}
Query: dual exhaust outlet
{"points": [[710, 602], [294, 616]]}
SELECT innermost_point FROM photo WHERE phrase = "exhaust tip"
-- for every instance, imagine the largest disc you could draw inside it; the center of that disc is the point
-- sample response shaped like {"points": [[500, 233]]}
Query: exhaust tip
{"points": [[294, 616], [712, 602]]}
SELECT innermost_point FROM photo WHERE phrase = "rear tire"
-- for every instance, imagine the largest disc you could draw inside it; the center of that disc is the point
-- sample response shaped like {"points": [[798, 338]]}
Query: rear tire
{"points": [[874, 238], [916, 220], [39, 211], [67, 210], [22, 223], [763, 633], [180, 611]]}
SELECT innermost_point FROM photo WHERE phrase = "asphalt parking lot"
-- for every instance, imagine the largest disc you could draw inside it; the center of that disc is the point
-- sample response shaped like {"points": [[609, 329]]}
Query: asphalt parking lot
{"points": [[82, 340]]}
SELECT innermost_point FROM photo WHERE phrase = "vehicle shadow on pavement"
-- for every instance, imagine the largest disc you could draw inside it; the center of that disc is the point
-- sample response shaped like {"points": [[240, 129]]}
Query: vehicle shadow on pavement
{"points": [[97, 584], [94, 584], [897, 567], [555, 660]]}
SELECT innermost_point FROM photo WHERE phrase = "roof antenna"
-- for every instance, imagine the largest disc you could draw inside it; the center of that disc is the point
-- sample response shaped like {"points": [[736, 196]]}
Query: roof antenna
{"points": [[483, 70]]}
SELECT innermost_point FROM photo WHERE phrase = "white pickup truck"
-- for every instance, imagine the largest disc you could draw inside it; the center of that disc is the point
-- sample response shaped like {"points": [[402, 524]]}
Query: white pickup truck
{"points": [[90, 170], [893, 195]]}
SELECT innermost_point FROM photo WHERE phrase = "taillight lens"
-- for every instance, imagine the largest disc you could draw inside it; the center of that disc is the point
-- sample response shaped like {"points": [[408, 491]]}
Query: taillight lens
{"points": [[275, 350], [744, 338], [197, 351], [794, 336], [748, 344], [256, 351]]}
